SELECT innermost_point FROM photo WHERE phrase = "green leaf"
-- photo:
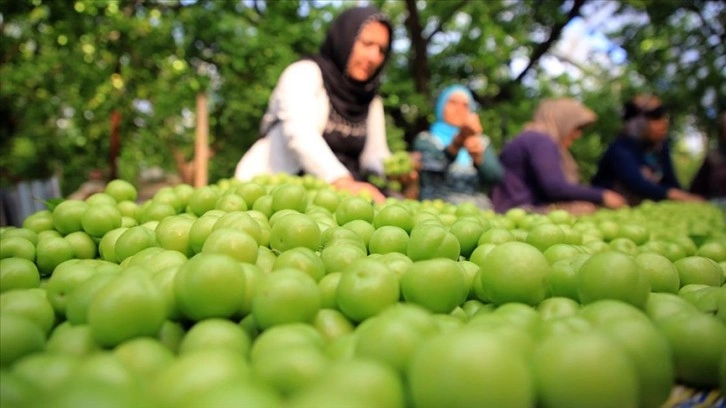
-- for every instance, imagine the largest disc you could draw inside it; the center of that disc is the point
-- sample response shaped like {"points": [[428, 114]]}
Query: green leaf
{"points": [[52, 203]]}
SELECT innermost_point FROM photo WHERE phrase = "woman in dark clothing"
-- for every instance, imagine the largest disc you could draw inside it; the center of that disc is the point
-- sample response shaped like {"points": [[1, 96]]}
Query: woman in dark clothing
{"points": [[540, 173], [710, 181], [638, 163]]}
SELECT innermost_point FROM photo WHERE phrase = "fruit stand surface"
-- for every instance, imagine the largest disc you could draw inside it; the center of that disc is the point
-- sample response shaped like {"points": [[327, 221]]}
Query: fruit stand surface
{"points": [[685, 397], [613, 309]]}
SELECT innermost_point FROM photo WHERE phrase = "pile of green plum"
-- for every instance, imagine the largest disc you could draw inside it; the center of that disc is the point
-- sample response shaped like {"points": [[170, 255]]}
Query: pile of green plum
{"points": [[396, 167], [283, 292]]}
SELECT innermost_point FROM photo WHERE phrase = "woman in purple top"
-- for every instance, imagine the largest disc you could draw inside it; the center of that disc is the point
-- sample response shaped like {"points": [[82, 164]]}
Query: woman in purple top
{"points": [[540, 173]]}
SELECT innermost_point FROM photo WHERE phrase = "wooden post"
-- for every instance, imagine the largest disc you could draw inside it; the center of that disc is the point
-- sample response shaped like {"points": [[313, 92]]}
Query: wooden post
{"points": [[201, 142], [115, 146]]}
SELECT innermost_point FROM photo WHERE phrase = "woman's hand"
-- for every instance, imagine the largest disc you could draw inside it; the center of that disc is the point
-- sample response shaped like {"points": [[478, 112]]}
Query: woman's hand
{"points": [[468, 138], [574, 207], [611, 199], [355, 187], [475, 146], [680, 195], [472, 126]]}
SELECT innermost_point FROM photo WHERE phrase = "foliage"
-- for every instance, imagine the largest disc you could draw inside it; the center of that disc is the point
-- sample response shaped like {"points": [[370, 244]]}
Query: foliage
{"points": [[680, 53], [66, 69]]}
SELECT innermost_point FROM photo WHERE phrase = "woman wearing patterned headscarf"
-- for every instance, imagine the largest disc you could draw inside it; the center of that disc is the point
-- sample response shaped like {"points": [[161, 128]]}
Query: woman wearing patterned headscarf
{"points": [[325, 117], [638, 163], [458, 163], [540, 172]]}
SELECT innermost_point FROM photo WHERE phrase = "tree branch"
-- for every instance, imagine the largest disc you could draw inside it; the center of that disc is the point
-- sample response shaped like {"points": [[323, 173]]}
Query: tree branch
{"points": [[555, 34], [256, 6], [419, 59], [567, 60], [445, 19], [507, 89], [710, 31]]}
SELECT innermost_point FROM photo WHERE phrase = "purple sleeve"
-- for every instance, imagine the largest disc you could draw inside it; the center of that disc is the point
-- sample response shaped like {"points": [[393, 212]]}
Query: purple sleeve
{"points": [[545, 159]]}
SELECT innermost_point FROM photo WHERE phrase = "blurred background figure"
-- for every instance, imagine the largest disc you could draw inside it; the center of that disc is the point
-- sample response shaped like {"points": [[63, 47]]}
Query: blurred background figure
{"points": [[458, 162], [325, 117], [638, 163], [540, 172], [96, 183], [710, 181]]}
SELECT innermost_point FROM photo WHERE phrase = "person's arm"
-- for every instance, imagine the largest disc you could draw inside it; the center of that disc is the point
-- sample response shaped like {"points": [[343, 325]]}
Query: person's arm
{"points": [[376, 147], [626, 169], [433, 156], [453, 148], [469, 138], [356, 187], [489, 168], [255, 161], [299, 111], [546, 166]]}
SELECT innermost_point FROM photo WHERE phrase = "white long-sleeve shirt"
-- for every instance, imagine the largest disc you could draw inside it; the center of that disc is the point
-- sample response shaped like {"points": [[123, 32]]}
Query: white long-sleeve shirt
{"points": [[302, 106]]}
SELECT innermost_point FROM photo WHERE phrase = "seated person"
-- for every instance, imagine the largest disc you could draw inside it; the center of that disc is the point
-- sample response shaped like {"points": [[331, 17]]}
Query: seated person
{"points": [[325, 117], [638, 163], [540, 173], [710, 181], [458, 163]]}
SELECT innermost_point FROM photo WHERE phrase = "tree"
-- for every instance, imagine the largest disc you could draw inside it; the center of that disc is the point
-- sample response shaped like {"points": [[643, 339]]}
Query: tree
{"points": [[66, 71]]}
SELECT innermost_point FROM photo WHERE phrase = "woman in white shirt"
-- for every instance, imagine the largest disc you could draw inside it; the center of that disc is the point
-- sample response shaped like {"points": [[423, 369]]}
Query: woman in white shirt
{"points": [[325, 117]]}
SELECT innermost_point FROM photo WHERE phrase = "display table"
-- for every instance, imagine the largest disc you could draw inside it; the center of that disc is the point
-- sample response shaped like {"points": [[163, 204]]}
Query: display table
{"points": [[686, 397]]}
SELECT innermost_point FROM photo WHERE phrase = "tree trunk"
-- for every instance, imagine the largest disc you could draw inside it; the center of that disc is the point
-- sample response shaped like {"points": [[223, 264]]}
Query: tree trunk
{"points": [[115, 146], [419, 58], [419, 68]]}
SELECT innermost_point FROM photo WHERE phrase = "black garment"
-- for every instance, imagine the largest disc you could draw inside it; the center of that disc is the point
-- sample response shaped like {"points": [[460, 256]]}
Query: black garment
{"points": [[346, 140], [350, 98], [346, 130]]}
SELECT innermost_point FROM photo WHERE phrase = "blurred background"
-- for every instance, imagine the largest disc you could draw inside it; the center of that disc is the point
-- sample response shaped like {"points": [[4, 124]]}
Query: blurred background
{"points": [[100, 89]]}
